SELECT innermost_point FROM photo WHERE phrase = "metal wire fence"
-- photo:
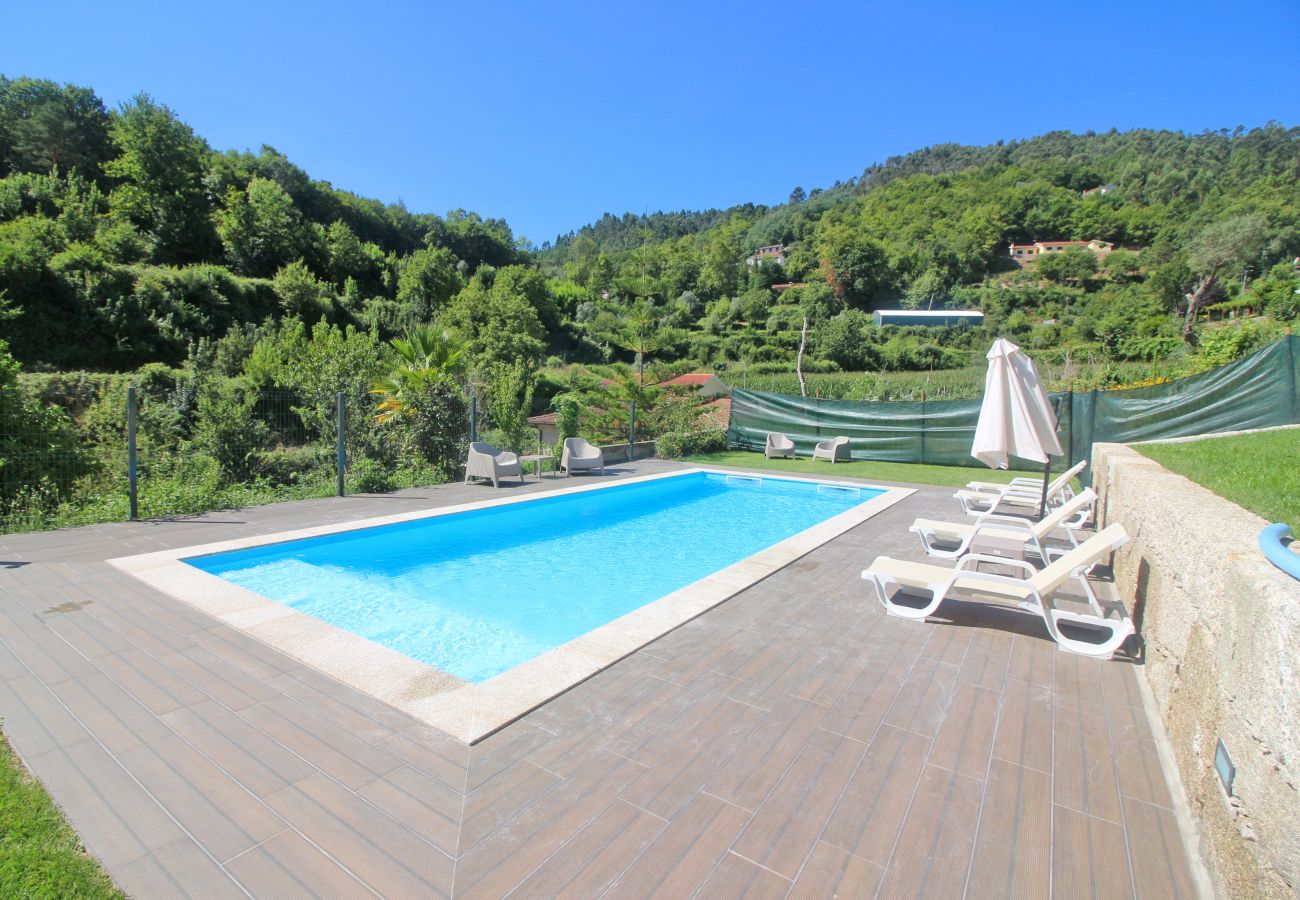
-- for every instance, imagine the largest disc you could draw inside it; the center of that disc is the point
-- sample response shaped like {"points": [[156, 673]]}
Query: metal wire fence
{"points": [[144, 453]]}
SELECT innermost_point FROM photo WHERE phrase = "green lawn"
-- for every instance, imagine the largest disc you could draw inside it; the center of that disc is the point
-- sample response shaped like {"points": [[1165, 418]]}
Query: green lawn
{"points": [[40, 855], [1259, 471], [947, 476]]}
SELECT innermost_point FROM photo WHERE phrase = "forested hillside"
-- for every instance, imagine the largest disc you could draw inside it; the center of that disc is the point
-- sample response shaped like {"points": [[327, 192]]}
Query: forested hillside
{"points": [[126, 239]]}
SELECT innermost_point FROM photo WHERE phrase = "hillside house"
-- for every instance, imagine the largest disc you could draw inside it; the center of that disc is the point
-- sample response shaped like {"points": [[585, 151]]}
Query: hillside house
{"points": [[1024, 252], [774, 252], [1101, 190], [927, 317]]}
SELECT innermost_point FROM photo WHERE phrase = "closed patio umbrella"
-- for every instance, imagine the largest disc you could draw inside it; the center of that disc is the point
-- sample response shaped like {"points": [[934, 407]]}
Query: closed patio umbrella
{"points": [[1016, 418]]}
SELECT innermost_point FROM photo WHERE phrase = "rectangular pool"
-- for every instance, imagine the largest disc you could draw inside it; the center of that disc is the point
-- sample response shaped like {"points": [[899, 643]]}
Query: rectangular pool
{"points": [[466, 615], [479, 592]]}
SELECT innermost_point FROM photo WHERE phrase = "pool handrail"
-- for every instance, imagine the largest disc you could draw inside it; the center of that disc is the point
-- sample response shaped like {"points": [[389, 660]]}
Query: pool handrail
{"points": [[1270, 541]]}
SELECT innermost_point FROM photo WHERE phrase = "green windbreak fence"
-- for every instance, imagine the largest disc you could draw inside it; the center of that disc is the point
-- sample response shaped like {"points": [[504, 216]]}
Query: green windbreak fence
{"points": [[1256, 392]]}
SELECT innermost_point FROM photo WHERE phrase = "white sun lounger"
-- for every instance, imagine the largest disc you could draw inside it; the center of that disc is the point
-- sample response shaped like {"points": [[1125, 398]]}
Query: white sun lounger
{"points": [[778, 445], [1033, 592], [981, 497], [1070, 516], [836, 448], [486, 461]]}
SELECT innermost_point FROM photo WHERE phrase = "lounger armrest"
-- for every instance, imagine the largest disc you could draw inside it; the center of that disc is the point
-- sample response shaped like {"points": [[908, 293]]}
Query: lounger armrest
{"points": [[977, 558], [1000, 519]]}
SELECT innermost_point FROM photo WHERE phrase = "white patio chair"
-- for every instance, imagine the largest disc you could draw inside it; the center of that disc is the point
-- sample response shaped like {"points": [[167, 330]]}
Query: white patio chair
{"points": [[837, 448], [579, 455], [1033, 592], [778, 445], [980, 497], [1069, 516], [486, 461]]}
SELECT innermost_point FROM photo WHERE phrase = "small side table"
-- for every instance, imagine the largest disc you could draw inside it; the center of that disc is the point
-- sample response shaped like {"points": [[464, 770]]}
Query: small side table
{"points": [[537, 459]]}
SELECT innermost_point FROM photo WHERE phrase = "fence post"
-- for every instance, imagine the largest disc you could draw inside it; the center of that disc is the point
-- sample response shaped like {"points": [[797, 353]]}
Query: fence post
{"points": [[631, 432], [132, 470], [473, 417], [342, 451]]}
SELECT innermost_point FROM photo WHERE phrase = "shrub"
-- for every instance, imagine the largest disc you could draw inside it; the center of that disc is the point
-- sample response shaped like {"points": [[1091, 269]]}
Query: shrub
{"points": [[675, 444], [368, 476]]}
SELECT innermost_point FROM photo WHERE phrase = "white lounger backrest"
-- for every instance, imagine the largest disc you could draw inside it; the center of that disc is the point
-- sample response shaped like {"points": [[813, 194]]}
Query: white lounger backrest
{"points": [[1112, 537], [1063, 479], [1063, 512]]}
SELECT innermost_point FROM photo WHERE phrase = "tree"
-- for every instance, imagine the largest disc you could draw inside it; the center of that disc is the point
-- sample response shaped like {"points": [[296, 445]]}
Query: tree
{"points": [[797, 195], [847, 340], [426, 281], [301, 293], [510, 397], [426, 356], [498, 322], [261, 229], [926, 290], [1217, 250], [1073, 265], [45, 127], [159, 171]]}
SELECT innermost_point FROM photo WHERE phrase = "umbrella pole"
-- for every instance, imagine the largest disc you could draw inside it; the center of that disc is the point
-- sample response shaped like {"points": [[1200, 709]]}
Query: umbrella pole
{"points": [[1047, 472]]}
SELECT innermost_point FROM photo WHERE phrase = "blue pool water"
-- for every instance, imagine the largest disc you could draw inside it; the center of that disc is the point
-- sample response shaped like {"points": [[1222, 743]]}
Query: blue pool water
{"points": [[476, 593]]}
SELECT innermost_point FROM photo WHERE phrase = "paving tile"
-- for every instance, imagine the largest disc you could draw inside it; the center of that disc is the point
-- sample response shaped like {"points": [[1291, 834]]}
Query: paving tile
{"points": [[116, 819], [861, 709], [1078, 684], [239, 748], [1084, 766], [180, 869], [671, 782], [867, 819], [831, 872], [788, 823], [220, 814], [1158, 854], [766, 753], [683, 655], [501, 798], [965, 739], [427, 807], [935, 843], [1024, 734], [35, 720], [48, 656], [1089, 857], [987, 660], [228, 685], [288, 867], [149, 681], [322, 743], [341, 704], [10, 665], [923, 696], [1033, 660], [145, 635], [683, 855], [1013, 851], [84, 633], [740, 878], [493, 754], [832, 676], [947, 644], [116, 718], [685, 711], [513, 852], [377, 850], [596, 856], [247, 654], [430, 751]]}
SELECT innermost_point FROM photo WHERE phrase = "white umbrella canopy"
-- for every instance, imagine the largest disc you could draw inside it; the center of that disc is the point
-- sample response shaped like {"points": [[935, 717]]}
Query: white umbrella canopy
{"points": [[1016, 418]]}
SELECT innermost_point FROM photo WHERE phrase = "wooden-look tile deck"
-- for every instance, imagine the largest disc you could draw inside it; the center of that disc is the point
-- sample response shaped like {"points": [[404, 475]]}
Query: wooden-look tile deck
{"points": [[792, 742]]}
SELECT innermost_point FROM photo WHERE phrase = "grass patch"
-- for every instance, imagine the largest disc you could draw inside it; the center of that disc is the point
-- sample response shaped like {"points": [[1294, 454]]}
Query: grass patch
{"points": [[40, 854], [1256, 471], [870, 469]]}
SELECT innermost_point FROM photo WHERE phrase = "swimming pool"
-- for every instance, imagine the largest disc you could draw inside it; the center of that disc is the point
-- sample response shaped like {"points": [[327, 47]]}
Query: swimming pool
{"points": [[561, 542], [479, 592]]}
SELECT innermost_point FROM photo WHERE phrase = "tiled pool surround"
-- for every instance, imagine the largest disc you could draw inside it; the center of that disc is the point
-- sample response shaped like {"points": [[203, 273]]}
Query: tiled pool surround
{"points": [[465, 710]]}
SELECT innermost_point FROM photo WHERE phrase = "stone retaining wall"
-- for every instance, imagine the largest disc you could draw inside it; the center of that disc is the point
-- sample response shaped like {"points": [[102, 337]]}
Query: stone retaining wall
{"points": [[1221, 627]]}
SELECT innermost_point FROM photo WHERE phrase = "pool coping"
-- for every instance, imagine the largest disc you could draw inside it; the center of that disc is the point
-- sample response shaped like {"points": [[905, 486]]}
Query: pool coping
{"points": [[462, 709]]}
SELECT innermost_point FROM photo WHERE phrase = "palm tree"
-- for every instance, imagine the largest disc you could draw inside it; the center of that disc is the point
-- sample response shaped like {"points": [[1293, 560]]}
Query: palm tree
{"points": [[426, 356]]}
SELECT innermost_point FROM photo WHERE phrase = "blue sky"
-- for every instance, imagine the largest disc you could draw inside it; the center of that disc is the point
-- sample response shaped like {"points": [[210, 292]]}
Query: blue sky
{"points": [[551, 114]]}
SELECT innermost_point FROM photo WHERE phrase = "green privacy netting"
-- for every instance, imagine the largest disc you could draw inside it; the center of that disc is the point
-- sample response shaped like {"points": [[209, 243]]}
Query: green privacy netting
{"points": [[1255, 392]]}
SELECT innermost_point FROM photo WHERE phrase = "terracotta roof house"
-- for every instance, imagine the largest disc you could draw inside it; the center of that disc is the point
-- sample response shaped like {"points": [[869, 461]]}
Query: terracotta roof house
{"points": [[719, 411], [774, 252], [706, 384], [1038, 248]]}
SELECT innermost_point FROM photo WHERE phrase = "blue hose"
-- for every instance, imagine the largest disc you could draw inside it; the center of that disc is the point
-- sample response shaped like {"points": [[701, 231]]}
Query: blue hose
{"points": [[1270, 541]]}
